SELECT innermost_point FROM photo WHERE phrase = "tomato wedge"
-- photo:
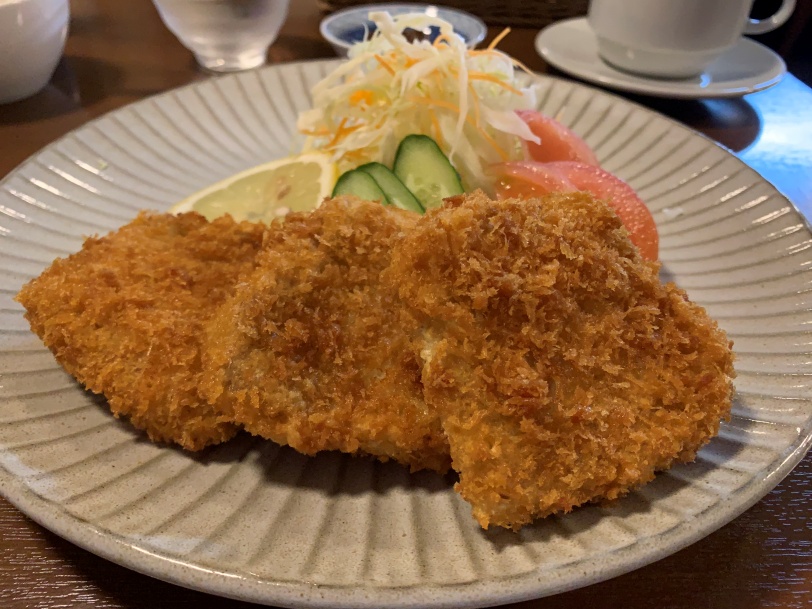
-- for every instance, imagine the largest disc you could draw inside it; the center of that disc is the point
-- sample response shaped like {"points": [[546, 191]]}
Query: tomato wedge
{"points": [[529, 179], [558, 143]]}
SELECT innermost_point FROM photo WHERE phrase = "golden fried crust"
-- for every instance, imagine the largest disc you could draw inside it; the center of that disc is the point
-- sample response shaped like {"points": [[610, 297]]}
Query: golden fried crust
{"points": [[310, 349], [124, 315], [562, 369]]}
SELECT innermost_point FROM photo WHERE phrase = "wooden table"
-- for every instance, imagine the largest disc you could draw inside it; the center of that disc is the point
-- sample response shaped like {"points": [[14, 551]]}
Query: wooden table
{"points": [[120, 52]]}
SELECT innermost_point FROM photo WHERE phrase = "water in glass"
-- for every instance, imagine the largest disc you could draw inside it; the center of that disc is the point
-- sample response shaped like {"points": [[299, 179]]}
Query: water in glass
{"points": [[225, 35]]}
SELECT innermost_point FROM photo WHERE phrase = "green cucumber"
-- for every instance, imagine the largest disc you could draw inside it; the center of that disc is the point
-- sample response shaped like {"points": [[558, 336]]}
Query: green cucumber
{"points": [[426, 171], [396, 193], [360, 184]]}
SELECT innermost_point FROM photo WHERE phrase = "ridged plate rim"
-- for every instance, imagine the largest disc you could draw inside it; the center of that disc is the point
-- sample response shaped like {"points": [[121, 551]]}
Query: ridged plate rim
{"points": [[140, 557]]}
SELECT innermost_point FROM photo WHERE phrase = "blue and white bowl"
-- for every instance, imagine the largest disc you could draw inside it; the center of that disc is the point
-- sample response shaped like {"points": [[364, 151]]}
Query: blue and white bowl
{"points": [[344, 28]]}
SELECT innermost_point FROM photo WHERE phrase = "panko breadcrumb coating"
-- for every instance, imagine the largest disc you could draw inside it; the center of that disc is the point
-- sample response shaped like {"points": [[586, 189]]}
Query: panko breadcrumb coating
{"points": [[309, 351], [125, 316], [525, 343], [562, 369]]}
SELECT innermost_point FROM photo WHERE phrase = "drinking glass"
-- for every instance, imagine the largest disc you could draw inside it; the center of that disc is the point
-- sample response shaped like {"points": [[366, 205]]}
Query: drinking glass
{"points": [[225, 35]]}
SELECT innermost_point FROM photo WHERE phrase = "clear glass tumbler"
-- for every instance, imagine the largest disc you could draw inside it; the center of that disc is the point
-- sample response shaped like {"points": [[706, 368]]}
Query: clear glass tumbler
{"points": [[225, 35]]}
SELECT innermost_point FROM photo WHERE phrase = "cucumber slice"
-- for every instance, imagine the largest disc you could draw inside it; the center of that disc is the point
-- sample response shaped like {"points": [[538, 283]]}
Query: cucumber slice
{"points": [[425, 170], [395, 191], [360, 184]]}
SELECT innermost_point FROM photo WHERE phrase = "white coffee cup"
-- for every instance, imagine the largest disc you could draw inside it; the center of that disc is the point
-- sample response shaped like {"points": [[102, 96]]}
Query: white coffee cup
{"points": [[674, 38], [32, 39]]}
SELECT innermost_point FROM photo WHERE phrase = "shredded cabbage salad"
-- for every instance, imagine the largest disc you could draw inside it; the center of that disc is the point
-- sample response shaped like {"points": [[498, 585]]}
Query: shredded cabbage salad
{"points": [[392, 87]]}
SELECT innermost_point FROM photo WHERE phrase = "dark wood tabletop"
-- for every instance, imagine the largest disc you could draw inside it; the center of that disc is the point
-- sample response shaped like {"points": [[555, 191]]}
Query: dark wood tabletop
{"points": [[120, 52]]}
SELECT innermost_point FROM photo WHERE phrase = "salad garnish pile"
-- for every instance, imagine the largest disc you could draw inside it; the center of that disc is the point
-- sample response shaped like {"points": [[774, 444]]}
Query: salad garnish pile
{"points": [[392, 86]]}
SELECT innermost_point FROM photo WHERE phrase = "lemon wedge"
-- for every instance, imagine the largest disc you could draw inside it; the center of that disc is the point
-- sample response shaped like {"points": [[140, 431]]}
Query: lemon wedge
{"points": [[265, 192]]}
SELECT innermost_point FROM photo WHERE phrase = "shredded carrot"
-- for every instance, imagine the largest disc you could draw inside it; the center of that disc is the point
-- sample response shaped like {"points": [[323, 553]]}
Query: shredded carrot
{"points": [[314, 132], [384, 64], [361, 95], [496, 53], [436, 79], [453, 107], [359, 153], [493, 79], [474, 75], [435, 102], [338, 131], [477, 52], [348, 130], [341, 132], [521, 66], [498, 38], [489, 139]]}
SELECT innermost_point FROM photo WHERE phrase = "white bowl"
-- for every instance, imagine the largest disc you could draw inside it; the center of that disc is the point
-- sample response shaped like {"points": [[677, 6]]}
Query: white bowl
{"points": [[344, 28], [32, 38]]}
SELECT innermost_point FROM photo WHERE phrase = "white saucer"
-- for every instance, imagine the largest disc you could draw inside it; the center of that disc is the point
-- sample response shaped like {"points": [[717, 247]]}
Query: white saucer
{"points": [[748, 67]]}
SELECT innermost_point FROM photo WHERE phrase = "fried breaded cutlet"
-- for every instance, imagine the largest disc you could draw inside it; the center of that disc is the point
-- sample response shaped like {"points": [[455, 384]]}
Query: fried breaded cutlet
{"points": [[562, 369], [525, 343], [125, 316], [310, 351]]}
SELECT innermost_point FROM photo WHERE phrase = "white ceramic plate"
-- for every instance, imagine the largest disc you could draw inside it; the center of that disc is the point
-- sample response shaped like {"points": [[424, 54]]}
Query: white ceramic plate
{"points": [[571, 46], [254, 521]]}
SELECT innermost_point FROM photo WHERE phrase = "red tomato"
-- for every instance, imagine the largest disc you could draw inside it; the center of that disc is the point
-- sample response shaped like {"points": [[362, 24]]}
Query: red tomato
{"points": [[529, 179], [558, 143]]}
